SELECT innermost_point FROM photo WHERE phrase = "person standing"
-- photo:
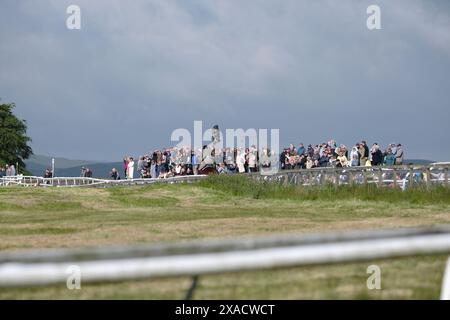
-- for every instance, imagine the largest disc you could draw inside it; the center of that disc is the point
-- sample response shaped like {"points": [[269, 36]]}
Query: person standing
{"points": [[241, 160], [252, 159], [301, 149], [393, 148], [48, 173], [309, 163], [399, 155], [88, 173], [130, 169], [389, 157], [377, 155], [12, 170], [354, 156], [125, 166], [283, 159], [140, 164], [153, 169], [364, 153], [194, 162], [324, 160]]}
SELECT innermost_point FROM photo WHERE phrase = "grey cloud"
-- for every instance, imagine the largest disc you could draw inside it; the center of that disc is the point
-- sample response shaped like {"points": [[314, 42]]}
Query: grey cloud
{"points": [[137, 70]]}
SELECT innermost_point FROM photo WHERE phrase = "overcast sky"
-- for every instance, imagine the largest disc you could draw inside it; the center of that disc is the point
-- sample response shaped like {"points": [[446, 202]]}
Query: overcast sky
{"points": [[137, 70]]}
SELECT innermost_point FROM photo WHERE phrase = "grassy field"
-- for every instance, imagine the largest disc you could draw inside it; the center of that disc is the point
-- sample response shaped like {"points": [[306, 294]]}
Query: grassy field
{"points": [[224, 208]]}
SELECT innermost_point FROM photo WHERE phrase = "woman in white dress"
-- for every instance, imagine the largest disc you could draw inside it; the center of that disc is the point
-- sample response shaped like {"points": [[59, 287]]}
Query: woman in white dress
{"points": [[241, 160], [130, 169], [252, 158]]}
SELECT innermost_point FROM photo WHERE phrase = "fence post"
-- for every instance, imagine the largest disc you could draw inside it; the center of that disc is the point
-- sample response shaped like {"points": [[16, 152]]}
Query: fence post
{"points": [[445, 290], [411, 176], [380, 177], [301, 178], [190, 292], [446, 176], [322, 177], [395, 177]]}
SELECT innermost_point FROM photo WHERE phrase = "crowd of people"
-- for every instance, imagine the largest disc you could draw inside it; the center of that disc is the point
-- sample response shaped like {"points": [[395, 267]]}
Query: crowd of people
{"points": [[7, 170], [170, 162], [158, 164], [330, 154], [85, 172], [48, 173]]}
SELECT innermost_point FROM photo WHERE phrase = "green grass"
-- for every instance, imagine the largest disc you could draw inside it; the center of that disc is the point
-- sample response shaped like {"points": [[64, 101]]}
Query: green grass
{"points": [[36, 231], [409, 278], [225, 207]]}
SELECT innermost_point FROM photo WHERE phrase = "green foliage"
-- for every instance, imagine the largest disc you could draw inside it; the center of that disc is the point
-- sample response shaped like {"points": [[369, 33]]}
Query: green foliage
{"points": [[14, 146], [239, 185]]}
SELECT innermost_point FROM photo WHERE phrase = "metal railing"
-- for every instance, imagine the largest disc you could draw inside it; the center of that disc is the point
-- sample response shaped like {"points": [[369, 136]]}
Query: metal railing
{"points": [[32, 181], [400, 176], [218, 256]]}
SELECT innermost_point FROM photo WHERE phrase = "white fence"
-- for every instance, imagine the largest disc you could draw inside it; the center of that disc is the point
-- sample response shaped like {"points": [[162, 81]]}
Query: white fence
{"points": [[400, 176], [198, 258]]}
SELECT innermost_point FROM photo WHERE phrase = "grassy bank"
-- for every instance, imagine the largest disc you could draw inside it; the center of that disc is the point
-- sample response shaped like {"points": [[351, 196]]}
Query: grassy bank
{"points": [[239, 185]]}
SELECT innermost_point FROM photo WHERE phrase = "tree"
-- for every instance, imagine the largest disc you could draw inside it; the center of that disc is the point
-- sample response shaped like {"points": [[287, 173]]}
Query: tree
{"points": [[14, 146]]}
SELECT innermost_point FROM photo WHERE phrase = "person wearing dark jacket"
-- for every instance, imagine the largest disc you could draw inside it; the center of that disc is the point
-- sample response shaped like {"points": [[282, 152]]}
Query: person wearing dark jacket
{"points": [[283, 159], [366, 149], [323, 160], [114, 174], [48, 173], [88, 173], [377, 155]]}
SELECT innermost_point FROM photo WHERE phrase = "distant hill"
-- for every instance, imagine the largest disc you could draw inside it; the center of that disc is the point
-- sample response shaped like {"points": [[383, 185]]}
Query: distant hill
{"points": [[37, 164], [46, 161], [418, 161], [99, 170]]}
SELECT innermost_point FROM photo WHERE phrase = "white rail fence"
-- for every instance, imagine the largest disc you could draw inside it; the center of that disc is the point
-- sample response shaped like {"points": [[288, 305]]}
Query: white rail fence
{"points": [[200, 258], [32, 181], [400, 176]]}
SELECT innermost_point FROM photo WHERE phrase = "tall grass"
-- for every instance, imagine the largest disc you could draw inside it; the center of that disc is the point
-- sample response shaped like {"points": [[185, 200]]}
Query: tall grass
{"points": [[244, 186]]}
